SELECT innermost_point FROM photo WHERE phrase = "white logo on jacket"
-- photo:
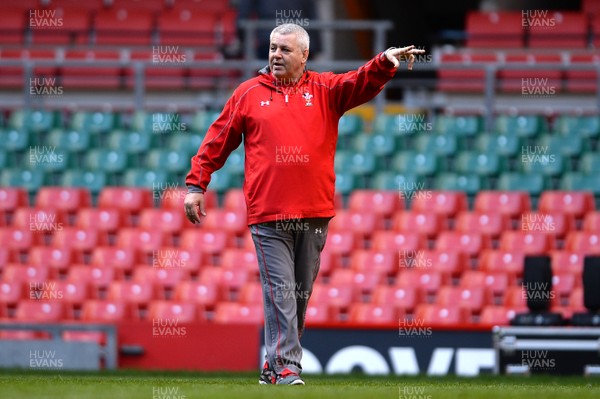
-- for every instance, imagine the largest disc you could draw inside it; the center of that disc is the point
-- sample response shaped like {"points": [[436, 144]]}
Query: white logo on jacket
{"points": [[263, 103], [307, 97]]}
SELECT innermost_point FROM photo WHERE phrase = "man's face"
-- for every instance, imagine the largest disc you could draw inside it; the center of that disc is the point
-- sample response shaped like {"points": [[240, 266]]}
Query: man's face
{"points": [[286, 59]]}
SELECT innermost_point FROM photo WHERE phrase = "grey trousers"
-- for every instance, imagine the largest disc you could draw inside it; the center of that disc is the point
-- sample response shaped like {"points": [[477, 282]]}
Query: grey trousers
{"points": [[288, 252]]}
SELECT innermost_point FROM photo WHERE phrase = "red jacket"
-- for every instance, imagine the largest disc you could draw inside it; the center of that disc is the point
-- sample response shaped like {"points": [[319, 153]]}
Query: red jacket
{"points": [[290, 135]]}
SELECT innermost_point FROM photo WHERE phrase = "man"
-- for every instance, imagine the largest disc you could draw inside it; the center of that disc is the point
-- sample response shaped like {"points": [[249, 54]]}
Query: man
{"points": [[288, 119]]}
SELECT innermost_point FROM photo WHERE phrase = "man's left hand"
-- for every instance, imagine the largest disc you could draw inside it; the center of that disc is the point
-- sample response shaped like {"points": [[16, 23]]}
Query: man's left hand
{"points": [[395, 55]]}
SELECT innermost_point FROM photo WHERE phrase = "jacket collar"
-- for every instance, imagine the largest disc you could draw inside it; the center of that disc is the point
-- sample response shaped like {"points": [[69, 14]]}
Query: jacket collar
{"points": [[267, 79]]}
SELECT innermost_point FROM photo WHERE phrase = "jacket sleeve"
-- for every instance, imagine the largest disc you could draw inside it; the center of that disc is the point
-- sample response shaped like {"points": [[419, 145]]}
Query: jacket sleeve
{"points": [[353, 88], [222, 137]]}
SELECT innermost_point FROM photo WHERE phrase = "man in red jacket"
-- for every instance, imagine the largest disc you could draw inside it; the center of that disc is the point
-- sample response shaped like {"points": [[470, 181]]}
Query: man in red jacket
{"points": [[288, 119]]}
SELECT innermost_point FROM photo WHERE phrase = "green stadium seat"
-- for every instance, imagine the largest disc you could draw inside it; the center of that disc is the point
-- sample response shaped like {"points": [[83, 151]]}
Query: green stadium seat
{"points": [[470, 183], [151, 179], [551, 165], [532, 183], [234, 163], [575, 181], [378, 144], [463, 125], [14, 139], [57, 160], [354, 162], [345, 183], [29, 179], [504, 144], [221, 181], [350, 125], [402, 124], [394, 181], [34, 121], [69, 140], [524, 125], [95, 122], [439, 144], [93, 180], [419, 163], [590, 163], [483, 164], [186, 144], [167, 160], [132, 142], [3, 159], [567, 146], [583, 125], [111, 161], [202, 120]]}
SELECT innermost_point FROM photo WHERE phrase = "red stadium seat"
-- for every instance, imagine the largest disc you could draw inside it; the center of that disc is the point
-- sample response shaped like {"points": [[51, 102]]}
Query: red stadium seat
{"points": [[383, 203], [564, 261], [12, 198], [361, 224], [508, 261], [403, 299], [144, 240], [162, 278], [75, 22], [30, 276], [495, 284], [105, 220], [516, 297], [596, 30], [469, 299], [490, 224], [58, 259], [39, 311], [40, 220], [78, 238], [104, 311], [207, 242], [449, 262], [172, 257], [90, 75], [528, 242], [427, 223], [237, 258], [320, 313], [584, 81], [72, 293], [156, 76], [130, 200], [184, 27], [232, 222], [118, 258], [453, 77], [361, 283], [168, 221], [397, 241], [367, 313], [13, 22], [556, 224], [133, 292], [383, 262], [575, 203], [591, 222], [10, 294], [470, 244], [446, 203], [229, 280], [495, 315], [556, 29], [533, 81], [171, 313], [340, 242], [18, 239], [120, 26], [494, 29], [433, 315], [68, 199], [576, 300], [510, 203], [235, 200], [235, 313], [338, 297], [583, 242], [251, 292], [563, 285], [427, 282], [199, 293], [97, 276]]}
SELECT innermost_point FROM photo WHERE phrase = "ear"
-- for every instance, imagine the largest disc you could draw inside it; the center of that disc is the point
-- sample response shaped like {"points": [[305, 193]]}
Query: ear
{"points": [[304, 56]]}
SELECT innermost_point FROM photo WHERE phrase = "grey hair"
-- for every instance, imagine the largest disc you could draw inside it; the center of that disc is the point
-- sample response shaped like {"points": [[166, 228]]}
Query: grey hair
{"points": [[300, 32]]}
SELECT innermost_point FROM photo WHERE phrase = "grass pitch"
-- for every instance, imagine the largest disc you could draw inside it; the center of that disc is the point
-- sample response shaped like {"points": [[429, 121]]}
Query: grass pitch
{"points": [[154, 385]]}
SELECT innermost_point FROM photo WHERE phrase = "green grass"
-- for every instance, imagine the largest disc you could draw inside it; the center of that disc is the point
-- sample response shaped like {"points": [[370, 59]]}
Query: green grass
{"points": [[149, 385]]}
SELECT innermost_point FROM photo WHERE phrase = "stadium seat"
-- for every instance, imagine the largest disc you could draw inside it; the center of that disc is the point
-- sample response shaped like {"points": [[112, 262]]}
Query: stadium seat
{"points": [[340, 242], [393, 181], [251, 293], [357, 163], [34, 121], [470, 244], [506, 144], [62, 198], [418, 163], [230, 281], [203, 294], [234, 200], [384, 261], [516, 297], [490, 224], [403, 299], [589, 163], [95, 122], [131, 292], [360, 223], [72, 293], [509, 261], [74, 29], [378, 144], [97, 276], [163, 278], [510, 203], [469, 299], [526, 126], [446, 203], [104, 220], [362, 283], [91, 180], [460, 125], [30, 180], [184, 27], [483, 164], [383, 203], [562, 286], [556, 224], [568, 29], [235, 313], [168, 160], [530, 82], [369, 314], [496, 315], [494, 29], [173, 257], [531, 183], [427, 223], [119, 258], [338, 297], [565, 261], [104, 311], [78, 238], [581, 125], [10, 294], [118, 26], [437, 315], [320, 313], [469, 183], [133, 142], [17, 239], [39, 311], [58, 259], [89, 74], [575, 181], [40, 220], [533, 242], [453, 77], [494, 283], [397, 241], [73, 141], [12, 198], [109, 161], [450, 263], [576, 300], [239, 258], [172, 313], [164, 220], [130, 200], [234, 223], [208, 242], [584, 81], [569, 202], [584, 242], [426, 281], [145, 240]]}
